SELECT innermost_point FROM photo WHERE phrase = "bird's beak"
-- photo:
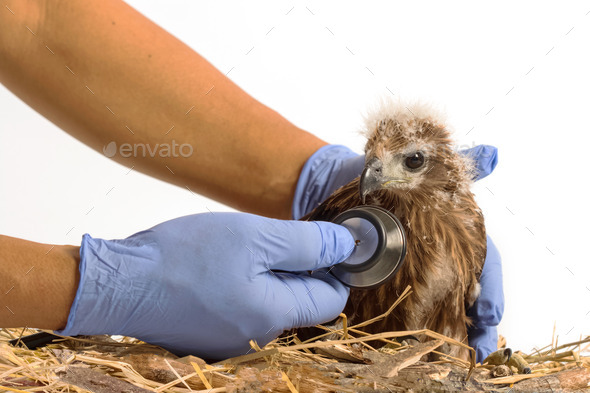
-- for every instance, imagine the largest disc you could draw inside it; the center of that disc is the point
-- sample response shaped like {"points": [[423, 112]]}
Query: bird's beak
{"points": [[372, 178]]}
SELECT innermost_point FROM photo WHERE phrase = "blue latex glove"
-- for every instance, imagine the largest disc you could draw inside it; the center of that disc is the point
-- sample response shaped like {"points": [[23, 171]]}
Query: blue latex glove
{"points": [[328, 169], [333, 166], [203, 284], [485, 157], [486, 312]]}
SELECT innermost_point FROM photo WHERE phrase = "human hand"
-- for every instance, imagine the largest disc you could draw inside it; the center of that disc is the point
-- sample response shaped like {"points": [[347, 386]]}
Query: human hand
{"points": [[334, 166], [328, 169], [486, 313], [208, 283]]}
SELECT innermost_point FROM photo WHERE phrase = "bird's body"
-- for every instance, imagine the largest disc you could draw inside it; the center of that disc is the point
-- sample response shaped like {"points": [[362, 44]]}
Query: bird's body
{"points": [[413, 171]]}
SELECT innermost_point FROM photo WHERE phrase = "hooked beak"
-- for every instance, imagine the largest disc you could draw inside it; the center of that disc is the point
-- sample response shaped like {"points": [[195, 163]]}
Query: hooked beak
{"points": [[372, 178]]}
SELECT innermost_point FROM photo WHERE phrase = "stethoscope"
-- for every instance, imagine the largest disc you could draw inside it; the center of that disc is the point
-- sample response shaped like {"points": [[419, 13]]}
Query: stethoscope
{"points": [[380, 247]]}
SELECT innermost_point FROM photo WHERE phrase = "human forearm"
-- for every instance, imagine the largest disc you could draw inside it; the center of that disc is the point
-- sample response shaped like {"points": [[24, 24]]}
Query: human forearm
{"points": [[38, 283], [103, 72]]}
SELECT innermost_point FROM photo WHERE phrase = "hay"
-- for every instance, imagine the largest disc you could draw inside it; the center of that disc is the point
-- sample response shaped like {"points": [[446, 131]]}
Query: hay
{"points": [[101, 364]]}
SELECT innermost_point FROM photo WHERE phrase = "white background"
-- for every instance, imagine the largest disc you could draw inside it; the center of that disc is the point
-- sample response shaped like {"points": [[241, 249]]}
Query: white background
{"points": [[514, 75]]}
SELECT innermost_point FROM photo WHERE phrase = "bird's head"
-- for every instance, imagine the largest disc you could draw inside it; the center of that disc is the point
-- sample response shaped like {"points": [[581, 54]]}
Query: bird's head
{"points": [[409, 152]]}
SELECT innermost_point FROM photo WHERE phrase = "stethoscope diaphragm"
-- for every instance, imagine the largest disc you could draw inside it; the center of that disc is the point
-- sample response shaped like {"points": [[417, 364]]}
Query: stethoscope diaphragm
{"points": [[380, 247]]}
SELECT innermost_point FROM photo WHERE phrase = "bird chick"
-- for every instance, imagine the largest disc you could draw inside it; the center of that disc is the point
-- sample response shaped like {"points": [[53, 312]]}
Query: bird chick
{"points": [[412, 170]]}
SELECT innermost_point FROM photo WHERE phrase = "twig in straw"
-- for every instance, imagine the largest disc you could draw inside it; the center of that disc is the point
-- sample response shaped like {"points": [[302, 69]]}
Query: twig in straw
{"points": [[201, 375]]}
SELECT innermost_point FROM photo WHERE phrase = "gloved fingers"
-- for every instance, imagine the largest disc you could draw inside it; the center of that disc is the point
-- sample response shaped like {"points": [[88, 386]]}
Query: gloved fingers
{"points": [[484, 340], [352, 167], [329, 168], [326, 276], [301, 246], [312, 300], [485, 157], [489, 306]]}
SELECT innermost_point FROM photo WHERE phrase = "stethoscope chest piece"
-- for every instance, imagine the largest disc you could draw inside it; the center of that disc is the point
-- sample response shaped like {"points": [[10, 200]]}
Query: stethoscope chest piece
{"points": [[379, 251]]}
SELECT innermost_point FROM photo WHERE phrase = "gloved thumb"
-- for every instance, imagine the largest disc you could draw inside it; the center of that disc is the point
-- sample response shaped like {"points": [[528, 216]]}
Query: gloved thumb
{"points": [[301, 246]]}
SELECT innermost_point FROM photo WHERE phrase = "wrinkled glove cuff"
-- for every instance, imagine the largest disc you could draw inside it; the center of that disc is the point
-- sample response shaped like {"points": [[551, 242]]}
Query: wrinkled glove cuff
{"points": [[328, 169], [102, 301]]}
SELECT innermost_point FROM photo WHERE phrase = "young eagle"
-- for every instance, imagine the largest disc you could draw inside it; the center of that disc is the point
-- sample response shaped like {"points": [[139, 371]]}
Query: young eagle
{"points": [[412, 170]]}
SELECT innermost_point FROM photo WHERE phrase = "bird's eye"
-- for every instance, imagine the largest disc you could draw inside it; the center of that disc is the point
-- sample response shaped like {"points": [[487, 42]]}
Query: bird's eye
{"points": [[415, 160]]}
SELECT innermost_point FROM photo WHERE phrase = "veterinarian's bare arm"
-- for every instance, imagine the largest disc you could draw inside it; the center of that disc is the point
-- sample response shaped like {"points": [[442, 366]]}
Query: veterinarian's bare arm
{"points": [[38, 283], [103, 72]]}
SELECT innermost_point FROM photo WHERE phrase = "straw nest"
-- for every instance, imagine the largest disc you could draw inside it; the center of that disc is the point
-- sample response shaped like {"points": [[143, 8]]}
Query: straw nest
{"points": [[345, 363]]}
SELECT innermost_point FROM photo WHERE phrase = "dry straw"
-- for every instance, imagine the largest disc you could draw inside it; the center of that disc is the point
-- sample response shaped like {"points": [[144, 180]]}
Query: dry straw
{"points": [[97, 364]]}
